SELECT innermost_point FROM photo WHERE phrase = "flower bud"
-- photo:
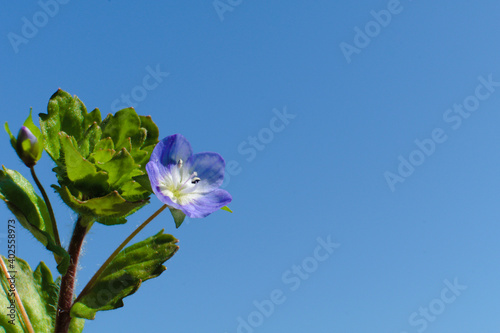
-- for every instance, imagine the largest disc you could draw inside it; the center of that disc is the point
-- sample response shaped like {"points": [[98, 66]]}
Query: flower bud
{"points": [[29, 143], [27, 147]]}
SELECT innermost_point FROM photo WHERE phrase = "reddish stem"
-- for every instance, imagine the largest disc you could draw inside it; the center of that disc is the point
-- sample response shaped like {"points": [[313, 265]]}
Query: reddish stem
{"points": [[63, 317]]}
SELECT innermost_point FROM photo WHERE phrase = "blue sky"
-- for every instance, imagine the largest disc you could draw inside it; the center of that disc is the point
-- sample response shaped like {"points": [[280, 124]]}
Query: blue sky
{"points": [[413, 231]]}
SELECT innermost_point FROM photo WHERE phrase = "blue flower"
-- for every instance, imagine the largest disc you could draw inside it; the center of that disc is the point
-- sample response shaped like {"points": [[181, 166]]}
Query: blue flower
{"points": [[185, 181]]}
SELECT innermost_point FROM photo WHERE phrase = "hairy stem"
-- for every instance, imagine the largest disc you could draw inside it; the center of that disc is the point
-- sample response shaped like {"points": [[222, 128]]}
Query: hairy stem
{"points": [[94, 278], [63, 317], [18, 299], [49, 206]]}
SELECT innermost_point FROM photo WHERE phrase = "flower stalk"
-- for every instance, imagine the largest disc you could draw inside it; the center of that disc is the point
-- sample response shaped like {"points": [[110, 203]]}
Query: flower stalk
{"points": [[96, 276], [49, 206]]}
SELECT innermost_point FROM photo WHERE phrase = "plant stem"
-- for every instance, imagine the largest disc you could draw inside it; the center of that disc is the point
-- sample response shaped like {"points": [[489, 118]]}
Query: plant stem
{"points": [[63, 317], [94, 278], [18, 299], [49, 206]]}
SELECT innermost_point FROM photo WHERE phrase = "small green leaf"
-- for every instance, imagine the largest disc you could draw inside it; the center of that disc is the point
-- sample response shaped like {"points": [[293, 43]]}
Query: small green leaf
{"points": [[91, 138], [31, 211], [103, 151], [68, 114], [124, 275], [76, 325], [106, 143], [152, 131], [141, 156], [92, 117], [133, 191], [100, 156], [178, 216], [39, 295], [109, 209], [13, 140], [124, 128], [143, 180], [227, 209], [80, 171], [121, 168]]}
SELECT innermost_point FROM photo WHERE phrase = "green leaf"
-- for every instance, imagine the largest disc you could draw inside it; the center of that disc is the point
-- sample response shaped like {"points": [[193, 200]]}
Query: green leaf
{"points": [[103, 151], [133, 191], [178, 216], [143, 180], [124, 275], [124, 128], [121, 168], [76, 325], [152, 131], [109, 209], [141, 157], [31, 211], [80, 171], [92, 117], [91, 138], [68, 114], [13, 140], [39, 295], [227, 209]]}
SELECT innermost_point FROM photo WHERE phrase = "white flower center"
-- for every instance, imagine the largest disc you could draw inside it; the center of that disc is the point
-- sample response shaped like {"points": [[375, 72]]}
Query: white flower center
{"points": [[179, 185]]}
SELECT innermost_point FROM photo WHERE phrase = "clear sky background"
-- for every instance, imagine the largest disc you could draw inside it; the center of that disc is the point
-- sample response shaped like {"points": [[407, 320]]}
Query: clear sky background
{"points": [[418, 253]]}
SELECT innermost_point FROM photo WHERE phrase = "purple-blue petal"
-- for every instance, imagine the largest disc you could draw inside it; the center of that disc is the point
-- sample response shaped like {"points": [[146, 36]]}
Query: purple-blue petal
{"points": [[172, 149], [153, 173], [209, 167], [157, 171], [25, 133], [207, 204]]}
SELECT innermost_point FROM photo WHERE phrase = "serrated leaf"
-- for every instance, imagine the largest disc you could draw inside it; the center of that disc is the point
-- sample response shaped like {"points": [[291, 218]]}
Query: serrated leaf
{"points": [[31, 211], [68, 114], [91, 138], [152, 131], [103, 151], [39, 295], [132, 266], [141, 157], [133, 191], [124, 128], [105, 143], [100, 156], [92, 117], [80, 171], [178, 216], [109, 209], [120, 169]]}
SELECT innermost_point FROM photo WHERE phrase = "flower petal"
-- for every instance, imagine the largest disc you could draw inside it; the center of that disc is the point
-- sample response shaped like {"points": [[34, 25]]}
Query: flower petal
{"points": [[210, 169], [153, 173], [172, 149], [156, 173], [207, 204]]}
